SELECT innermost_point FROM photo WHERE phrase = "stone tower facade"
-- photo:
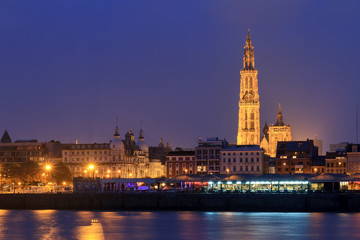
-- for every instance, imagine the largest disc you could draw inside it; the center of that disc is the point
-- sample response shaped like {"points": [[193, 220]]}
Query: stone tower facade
{"points": [[249, 103]]}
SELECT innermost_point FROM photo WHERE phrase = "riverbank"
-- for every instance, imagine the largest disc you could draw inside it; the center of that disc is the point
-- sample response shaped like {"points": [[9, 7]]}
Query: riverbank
{"points": [[315, 202]]}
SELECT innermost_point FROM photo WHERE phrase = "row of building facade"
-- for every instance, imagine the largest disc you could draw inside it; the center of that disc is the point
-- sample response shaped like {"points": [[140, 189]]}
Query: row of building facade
{"points": [[126, 158], [217, 156], [119, 158]]}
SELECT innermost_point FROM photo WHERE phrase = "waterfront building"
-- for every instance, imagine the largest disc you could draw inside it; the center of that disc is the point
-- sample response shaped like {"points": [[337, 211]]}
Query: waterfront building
{"points": [[22, 151], [353, 158], [295, 156], [207, 155], [117, 159], [240, 159], [275, 133], [336, 162], [249, 102], [180, 162], [318, 165], [79, 157]]}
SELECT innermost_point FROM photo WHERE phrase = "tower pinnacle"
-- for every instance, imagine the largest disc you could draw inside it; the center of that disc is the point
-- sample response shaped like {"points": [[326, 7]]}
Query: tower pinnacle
{"points": [[249, 60], [279, 107], [279, 121], [116, 134]]}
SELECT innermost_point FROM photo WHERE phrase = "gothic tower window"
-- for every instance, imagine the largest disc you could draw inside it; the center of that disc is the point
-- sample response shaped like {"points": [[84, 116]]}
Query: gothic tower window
{"points": [[246, 83], [251, 83], [252, 118], [245, 119]]}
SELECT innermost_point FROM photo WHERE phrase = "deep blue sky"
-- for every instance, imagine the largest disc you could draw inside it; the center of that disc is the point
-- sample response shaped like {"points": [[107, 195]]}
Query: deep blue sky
{"points": [[68, 68]]}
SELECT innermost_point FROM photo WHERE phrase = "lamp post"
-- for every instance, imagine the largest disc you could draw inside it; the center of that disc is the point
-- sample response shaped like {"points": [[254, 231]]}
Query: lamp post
{"points": [[47, 168], [91, 168]]}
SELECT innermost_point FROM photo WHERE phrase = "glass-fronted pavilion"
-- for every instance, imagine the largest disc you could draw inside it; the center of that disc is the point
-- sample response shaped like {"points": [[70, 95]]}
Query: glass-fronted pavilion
{"points": [[241, 183]]}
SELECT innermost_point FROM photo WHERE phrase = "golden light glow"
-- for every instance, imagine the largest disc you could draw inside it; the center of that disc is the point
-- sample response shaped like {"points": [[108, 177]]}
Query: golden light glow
{"points": [[85, 171], [284, 163], [107, 175], [119, 171], [108, 171], [19, 183], [130, 174], [64, 183], [315, 169], [91, 167], [48, 167], [96, 171]]}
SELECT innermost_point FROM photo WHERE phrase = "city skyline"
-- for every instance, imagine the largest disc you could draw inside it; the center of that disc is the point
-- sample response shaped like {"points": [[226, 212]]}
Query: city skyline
{"points": [[176, 69]]}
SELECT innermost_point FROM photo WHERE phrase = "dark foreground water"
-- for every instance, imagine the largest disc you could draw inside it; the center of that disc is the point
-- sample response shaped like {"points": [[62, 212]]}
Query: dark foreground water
{"points": [[55, 224]]}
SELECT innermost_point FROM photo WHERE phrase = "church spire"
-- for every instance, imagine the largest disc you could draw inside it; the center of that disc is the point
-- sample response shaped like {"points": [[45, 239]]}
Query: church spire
{"points": [[249, 60], [116, 134], [279, 121], [141, 137]]}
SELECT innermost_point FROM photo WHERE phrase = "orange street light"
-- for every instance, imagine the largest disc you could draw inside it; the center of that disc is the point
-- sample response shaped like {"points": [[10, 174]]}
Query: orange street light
{"points": [[48, 167]]}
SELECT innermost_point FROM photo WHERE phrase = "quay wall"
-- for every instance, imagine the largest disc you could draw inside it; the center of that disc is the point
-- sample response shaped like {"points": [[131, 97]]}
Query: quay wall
{"points": [[315, 202]]}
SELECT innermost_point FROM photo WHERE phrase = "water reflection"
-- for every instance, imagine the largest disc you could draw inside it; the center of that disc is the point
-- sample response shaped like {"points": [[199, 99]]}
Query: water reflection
{"points": [[94, 231], [52, 224]]}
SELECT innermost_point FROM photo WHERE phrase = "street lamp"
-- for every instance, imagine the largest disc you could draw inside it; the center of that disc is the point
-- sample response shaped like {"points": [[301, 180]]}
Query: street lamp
{"points": [[227, 171], [91, 167], [186, 171], [47, 168]]}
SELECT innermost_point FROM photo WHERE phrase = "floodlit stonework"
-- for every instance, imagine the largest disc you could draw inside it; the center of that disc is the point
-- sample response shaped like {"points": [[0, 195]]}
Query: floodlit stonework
{"points": [[275, 133], [249, 104]]}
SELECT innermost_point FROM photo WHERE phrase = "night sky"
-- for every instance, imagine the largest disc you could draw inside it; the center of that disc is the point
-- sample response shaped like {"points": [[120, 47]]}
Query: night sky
{"points": [[69, 68]]}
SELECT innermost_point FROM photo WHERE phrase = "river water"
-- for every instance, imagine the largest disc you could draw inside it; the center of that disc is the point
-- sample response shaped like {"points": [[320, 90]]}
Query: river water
{"points": [[55, 224]]}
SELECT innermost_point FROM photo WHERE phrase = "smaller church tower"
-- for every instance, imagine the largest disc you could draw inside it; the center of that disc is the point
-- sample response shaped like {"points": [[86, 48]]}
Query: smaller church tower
{"points": [[274, 133]]}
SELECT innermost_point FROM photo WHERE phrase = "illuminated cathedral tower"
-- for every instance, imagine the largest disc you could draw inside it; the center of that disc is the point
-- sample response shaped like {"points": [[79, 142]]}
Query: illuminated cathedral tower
{"points": [[249, 104]]}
